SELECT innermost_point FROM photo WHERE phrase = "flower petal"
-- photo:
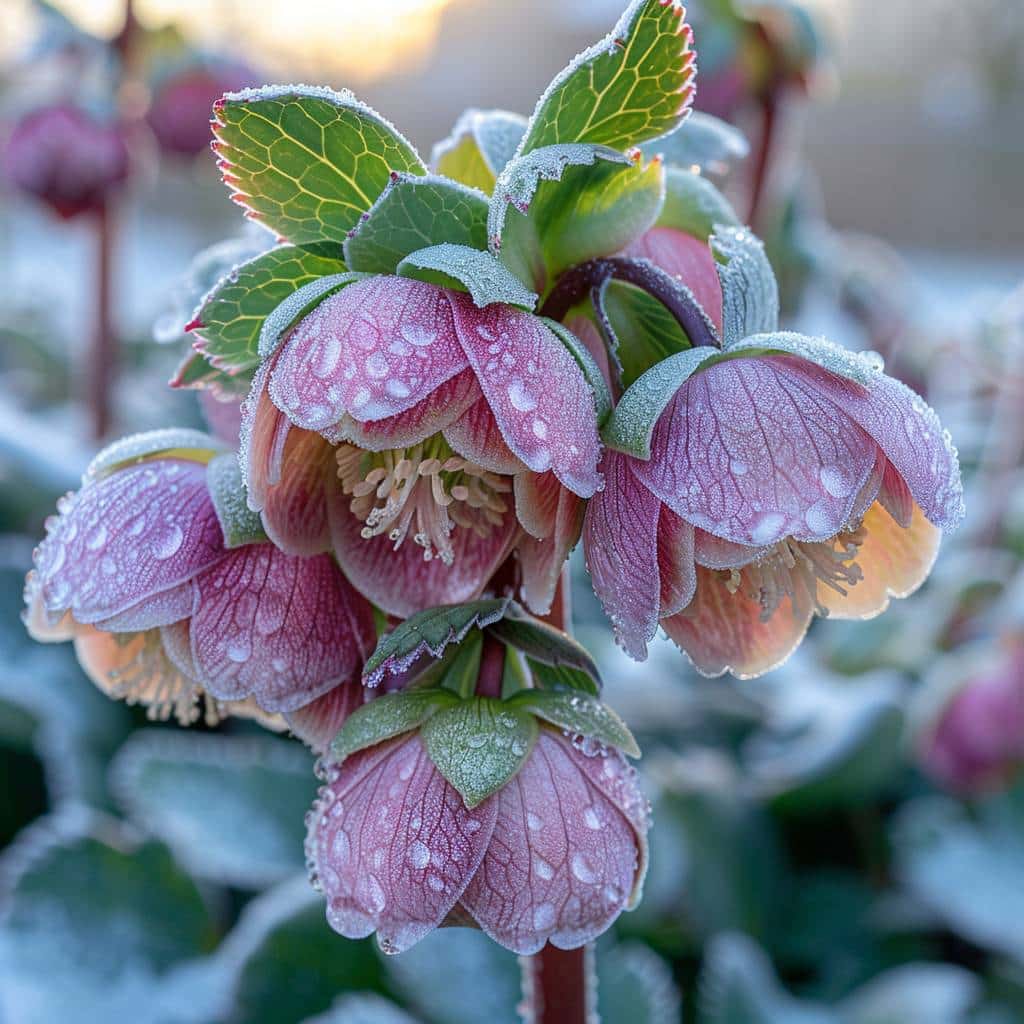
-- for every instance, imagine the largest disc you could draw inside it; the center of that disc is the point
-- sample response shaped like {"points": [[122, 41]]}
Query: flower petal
{"points": [[318, 722], [127, 540], [676, 570], [538, 394], [537, 496], [895, 561], [276, 627], [294, 510], [393, 845], [686, 258], [541, 561], [620, 533], [563, 859], [372, 350], [400, 581], [717, 553], [475, 436], [751, 451], [895, 496], [723, 632]]}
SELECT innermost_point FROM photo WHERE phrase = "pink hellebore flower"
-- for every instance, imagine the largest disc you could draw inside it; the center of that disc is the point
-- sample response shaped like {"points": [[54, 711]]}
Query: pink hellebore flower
{"points": [[423, 439], [555, 855], [136, 569]]}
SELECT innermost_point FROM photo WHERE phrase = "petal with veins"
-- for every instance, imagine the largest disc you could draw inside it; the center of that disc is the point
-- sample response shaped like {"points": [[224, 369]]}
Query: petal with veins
{"points": [[393, 845], [563, 859], [475, 436], [676, 570], [295, 507], [541, 561], [318, 722], [895, 496]]}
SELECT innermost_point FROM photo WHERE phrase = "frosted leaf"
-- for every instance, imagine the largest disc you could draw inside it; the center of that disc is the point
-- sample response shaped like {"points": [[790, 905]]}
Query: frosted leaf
{"points": [[385, 717], [702, 143], [579, 713], [750, 294], [479, 146], [855, 366], [238, 522], [180, 442], [486, 279]]}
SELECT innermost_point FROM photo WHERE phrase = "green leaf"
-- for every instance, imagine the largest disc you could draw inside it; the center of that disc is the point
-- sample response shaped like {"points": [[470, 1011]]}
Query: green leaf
{"points": [[750, 294], [702, 143], [694, 205], [635, 84], [167, 442], [635, 986], [298, 305], [287, 964], [413, 213], [479, 273], [632, 423], [591, 371], [463, 671], [542, 642], [232, 314], [387, 716], [239, 524], [579, 713], [429, 631], [195, 373], [480, 145], [562, 677], [925, 993], [307, 161], [361, 1008], [95, 924], [479, 744], [230, 807]]}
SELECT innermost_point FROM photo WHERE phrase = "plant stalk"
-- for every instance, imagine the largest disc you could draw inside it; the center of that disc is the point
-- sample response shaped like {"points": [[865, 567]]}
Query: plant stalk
{"points": [[102, 356]]}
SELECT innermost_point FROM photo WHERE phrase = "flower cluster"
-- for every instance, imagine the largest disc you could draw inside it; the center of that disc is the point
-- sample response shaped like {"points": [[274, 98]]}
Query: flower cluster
{"points": [[454, 373]]}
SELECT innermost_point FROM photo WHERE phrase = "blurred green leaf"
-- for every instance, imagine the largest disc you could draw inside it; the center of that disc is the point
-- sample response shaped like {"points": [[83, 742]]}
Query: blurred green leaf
{"points": [[362, 1009], [635, 986], [918, 992], [480, 145], [704, 142]]}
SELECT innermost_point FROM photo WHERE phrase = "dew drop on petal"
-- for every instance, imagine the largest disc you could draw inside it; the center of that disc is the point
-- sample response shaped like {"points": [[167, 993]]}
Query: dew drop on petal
{"points": [[583, 869], [418, 854], [543, 916], [168, 543]]}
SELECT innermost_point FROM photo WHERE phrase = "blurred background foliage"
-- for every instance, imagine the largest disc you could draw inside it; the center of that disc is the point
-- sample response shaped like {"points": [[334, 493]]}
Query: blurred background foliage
{"points": [[841, 841]]}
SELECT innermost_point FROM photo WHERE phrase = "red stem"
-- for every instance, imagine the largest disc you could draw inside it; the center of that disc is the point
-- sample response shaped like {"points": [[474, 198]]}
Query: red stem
{"points": [[492, 668], [555, 989], [769, 112], [102, 357]]}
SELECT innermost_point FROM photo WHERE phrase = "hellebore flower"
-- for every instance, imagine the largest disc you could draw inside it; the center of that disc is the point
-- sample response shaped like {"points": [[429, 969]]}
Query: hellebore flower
{"points": [[971, 737], [68, 159], [774, 489], [555, 855], [159, 573], [423, 439]]}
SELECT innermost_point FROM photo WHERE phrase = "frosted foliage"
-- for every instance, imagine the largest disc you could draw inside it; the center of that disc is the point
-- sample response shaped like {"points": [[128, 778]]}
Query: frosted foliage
{"points": [[486, 279], [752, 452], [128, 538], [862, 367], [750, 294], [282, 629], [392, 845], [150, 443], [564, 859], [318, 722], [373, 350]]}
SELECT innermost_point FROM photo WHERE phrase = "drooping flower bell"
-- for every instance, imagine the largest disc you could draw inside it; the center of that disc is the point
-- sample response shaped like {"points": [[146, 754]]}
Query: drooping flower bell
{"points": [[423, 439], [67, 158], [758, 485], [170, 591]]}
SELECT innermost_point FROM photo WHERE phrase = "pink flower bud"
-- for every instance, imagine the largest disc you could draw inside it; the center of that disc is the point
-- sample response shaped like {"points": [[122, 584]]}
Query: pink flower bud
{"points": [[67, 158], [554, 856]]}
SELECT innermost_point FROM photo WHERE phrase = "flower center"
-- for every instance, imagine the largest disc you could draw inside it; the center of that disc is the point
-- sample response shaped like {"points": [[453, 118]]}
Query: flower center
{"points": [[426, 489], [794, 569]]}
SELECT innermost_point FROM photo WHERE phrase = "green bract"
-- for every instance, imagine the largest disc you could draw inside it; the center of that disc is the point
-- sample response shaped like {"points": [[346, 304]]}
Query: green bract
{"points": [[307, 162], [480, 145], [702, 143], [387, 716], [458, 266], [750, 295], [239, 524], [694, 205]]}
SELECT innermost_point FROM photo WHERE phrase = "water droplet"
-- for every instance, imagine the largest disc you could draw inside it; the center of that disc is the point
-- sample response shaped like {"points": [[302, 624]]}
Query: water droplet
{"points": [[520, 397], [418, 335], [377, 365], [543, 916], [97, 538], [418, 855], [168, 544], [435, 882], [834, 481], [583, 869], [591, 818], [738, 468], [397, 388], [543, 869], [239, 649], [767, 528], [533, 823], [340, 847]]}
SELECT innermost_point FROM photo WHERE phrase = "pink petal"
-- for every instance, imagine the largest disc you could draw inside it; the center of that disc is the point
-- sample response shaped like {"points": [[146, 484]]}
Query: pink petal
{"points": [[895, 496], [263, 434], [717, 553], [541, 561], [620, 544], [276, 627], [223, 416], [372, 350], [393, 845], [753, 452], [563, 859], [537, 496], [676, 570], [400, 581], [721, 632], [437, 411], [127, 541], [586, 330], [475, 436], [907, 430], [318, 722], [538, 394], [686, 258], [295, 507]]}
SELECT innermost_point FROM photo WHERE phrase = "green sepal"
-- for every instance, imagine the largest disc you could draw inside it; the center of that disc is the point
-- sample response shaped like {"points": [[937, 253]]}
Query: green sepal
{"points": [[239, 523], [702, 143], [580, 714], [693, 205], [458, 266], [165, 443], [750, 294], [462, 670], [230, 317], [632, 423], [414, 212], [298, 305], [480, 145], [591, 371], [635, 84], [195, 373], [562, 677], [307, 161], [388, 716], [478, 745], [429, 632]]}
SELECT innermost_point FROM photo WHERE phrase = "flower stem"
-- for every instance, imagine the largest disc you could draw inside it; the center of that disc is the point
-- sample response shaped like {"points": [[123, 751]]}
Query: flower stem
{"points": [[763, 163], [103, 349], [492, 667]]}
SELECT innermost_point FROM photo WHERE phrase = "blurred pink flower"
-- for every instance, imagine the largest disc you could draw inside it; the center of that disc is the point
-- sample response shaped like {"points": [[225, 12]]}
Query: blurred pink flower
{"points": [[66, 158], [423, 439], [775, 490], [555, 855], [135, 569]]}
